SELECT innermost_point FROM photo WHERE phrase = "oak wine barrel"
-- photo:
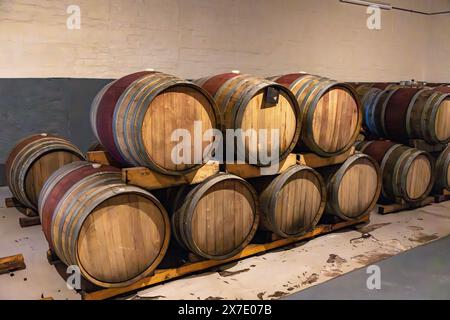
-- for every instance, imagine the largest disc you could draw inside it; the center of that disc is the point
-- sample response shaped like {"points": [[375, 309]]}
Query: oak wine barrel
{"points": [[369, 99], [411, 113], [331, 111], [353, 188], [115, 233], [33, 160], [135, 116], [442, 172], [407, 172], [248, 102], [217, 218], [292, 203]]}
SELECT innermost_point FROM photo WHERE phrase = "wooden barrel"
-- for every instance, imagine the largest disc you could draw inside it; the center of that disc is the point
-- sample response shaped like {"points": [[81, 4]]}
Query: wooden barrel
{"points": [[370, 97], [217, 218], [331, 112], [412, 113], [135, 116], [115, 233], [407, 172], [33, 160], [248, 102], [443, 88], [292, 203], [442, 172], [353, 188]]}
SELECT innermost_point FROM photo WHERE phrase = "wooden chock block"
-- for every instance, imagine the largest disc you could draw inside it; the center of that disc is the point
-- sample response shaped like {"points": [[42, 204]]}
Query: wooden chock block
{"points": [[12, 263]]}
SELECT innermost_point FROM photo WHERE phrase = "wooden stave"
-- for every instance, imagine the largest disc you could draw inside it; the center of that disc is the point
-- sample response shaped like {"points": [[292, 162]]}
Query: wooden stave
{"points": [[25, 153], [306, 87], [129, 150], [268, 201], [184, 201], [333, 176], [369, 98], [442, 168], [394, 172], [108, 184], [232, 102]]}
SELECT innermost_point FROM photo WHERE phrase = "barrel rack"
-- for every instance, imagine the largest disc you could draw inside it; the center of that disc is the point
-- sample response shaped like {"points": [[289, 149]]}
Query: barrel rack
{"points": [[263, 241], [195, 266]]}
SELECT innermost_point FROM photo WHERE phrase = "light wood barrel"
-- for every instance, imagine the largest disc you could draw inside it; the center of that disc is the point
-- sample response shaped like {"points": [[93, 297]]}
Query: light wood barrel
{"points": [[292, 203], [353, 188], [135, 116], [442, 172], [248, 102], [115, 233], [33, 160], [217, 218], [407, 172], [331, 110], [411, 113]]}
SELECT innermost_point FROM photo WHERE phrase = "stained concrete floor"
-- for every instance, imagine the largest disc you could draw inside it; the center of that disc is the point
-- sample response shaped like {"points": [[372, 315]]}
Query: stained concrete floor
{"points": [[421, 273], [273, 275]]}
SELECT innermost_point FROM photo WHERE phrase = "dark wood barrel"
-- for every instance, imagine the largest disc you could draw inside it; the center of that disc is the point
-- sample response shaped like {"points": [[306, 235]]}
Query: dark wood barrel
{"points": [[292, 203], [407, 172], [33, 160], [135, 116], [331, 110], [384, 85], [252, 103], [443, 88], [353, 188], [412, 113], [217, 218], [442, 172], [115, 233]]}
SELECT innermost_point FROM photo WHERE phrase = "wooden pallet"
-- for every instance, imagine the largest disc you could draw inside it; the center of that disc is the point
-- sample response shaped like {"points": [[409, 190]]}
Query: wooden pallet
{"points": [[445, 196], [312, 160], [402, 205], [151, 180], [163, 275]]}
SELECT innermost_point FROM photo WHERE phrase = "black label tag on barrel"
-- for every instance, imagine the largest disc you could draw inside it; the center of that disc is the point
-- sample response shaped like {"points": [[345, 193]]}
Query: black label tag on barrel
{"points": [[271, 97]]}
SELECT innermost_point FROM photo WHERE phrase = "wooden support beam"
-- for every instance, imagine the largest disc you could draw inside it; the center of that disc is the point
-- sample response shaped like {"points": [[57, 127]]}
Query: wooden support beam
{"points": [[102, 157], [29, 221], [150, 180], [12, 263], [246, 171], [315, 161], [395, 207], [12, 203]]}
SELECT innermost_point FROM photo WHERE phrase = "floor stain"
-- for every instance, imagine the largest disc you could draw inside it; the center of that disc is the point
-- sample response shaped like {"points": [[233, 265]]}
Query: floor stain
{"points": [[148, 298], [332, 273], [277, 294], [415, 228], [371, 257], [367, 229], [311, 279], [214, 298], [334, 258], [260, 295], [423, 237], [232, 273]]}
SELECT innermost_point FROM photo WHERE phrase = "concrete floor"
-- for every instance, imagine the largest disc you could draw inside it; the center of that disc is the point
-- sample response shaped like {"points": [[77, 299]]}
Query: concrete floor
{"points": [[273, 275]]}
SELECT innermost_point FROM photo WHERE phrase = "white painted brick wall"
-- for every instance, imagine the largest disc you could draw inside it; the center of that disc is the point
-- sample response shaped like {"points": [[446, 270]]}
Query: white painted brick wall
{"points": [[194, 38]]}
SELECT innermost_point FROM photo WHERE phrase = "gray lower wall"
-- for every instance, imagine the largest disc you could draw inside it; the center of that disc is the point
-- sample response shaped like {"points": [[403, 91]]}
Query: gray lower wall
{"points": [[54, 105]]}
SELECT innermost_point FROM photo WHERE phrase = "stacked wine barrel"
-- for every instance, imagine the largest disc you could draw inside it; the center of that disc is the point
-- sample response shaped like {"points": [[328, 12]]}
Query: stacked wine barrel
{"points": [[32, 161], [115, 233], [403, 113], [135, 116], [251, 103], [331, 112], [408, 173]]}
